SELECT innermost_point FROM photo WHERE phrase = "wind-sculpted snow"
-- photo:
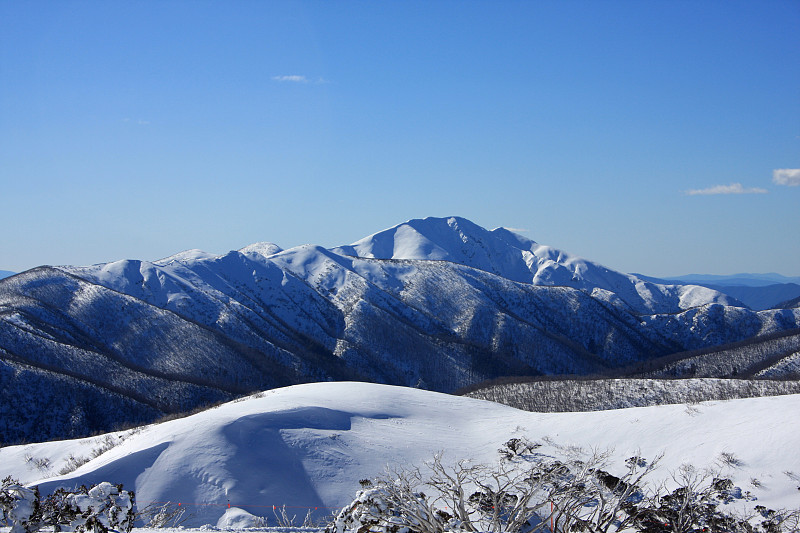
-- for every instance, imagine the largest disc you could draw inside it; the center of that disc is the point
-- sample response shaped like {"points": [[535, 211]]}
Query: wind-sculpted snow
{"points": [[434, 303], [307, 446]]}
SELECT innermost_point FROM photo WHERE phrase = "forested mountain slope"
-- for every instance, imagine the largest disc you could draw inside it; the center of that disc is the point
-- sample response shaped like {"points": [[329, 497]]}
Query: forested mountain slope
{"points": [[567, 395]]}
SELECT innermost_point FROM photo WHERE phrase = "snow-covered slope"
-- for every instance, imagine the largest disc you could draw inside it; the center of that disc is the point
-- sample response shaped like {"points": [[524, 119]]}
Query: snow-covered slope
{"points": [[308, 446], [512, 256]]}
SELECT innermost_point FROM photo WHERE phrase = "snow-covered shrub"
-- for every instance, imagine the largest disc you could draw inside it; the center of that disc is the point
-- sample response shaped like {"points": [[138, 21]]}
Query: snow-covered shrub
{"points": [[700, 504], [57, 511], [41, 463], [99, 509], [19, 506], [106, 444], [103, 507], [391, 506]]}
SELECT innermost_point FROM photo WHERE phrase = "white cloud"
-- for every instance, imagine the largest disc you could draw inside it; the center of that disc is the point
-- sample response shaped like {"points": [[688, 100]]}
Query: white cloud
{"points": [[786, 176], [299, 79], [733, 188], [516, 230], [292, 79]]}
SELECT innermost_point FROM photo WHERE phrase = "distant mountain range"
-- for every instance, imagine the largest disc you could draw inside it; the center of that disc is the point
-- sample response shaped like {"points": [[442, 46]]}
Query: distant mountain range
{"points": [[757, 291], [436, 303], [731, 280], [6, 273]]}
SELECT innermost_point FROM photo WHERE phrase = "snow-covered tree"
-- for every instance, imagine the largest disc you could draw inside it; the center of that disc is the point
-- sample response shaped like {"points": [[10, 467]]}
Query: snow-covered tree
{"points": [[99, 509]]}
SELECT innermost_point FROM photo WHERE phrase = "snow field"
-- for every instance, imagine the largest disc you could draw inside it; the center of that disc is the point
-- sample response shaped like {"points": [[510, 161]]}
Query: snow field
{"points": [[309, 445]]}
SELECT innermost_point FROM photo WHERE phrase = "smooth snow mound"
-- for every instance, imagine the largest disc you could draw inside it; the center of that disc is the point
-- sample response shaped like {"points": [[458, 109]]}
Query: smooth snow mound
{"points": [[307, 446], [264, 249]]}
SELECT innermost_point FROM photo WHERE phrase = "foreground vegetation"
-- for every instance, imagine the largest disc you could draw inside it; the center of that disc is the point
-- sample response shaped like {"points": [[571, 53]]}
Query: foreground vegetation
{"points": [[529, 492], [525, 491]]}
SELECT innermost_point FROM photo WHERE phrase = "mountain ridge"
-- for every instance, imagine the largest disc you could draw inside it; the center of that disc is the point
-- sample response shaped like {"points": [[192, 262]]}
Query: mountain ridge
{"points": [[758, 291], [264, 317]]}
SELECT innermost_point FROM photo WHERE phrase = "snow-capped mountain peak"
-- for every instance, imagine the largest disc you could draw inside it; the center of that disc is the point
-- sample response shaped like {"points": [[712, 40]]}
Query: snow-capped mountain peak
{"points": [[517, 258], [453, 239]]}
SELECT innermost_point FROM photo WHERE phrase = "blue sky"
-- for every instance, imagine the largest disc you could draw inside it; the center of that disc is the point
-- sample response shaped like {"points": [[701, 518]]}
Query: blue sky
{"points": [[648, 136]]}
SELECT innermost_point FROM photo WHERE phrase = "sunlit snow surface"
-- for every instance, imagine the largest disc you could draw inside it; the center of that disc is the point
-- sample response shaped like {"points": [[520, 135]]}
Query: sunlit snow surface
{"points": [[308, 445]]}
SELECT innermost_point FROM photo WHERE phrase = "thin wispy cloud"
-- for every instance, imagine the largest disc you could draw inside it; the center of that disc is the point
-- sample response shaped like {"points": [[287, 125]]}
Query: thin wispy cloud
{"points": [[516, 230], [733, 188], [291, 79], [296, 78], [786, 176]]}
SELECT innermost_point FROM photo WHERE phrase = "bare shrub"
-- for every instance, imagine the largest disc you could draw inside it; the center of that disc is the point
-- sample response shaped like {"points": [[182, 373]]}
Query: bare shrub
{"points": [[106, 444], [73, 463], [729, 459], [162, 515], [525, 491], [529, 491], [284, 520]]}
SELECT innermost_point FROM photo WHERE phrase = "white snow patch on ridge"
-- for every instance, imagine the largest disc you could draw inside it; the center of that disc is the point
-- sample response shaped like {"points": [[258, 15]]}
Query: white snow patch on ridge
{"points": [[187, 256], [264, 249]]}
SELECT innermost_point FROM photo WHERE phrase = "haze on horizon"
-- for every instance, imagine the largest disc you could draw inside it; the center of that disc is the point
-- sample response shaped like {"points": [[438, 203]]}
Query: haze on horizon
{"points": [[653, 137]]}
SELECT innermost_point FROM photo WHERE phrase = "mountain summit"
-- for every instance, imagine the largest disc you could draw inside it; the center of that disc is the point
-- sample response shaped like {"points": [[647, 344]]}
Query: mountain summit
{"points": [[453, 239], [517, 258]]}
